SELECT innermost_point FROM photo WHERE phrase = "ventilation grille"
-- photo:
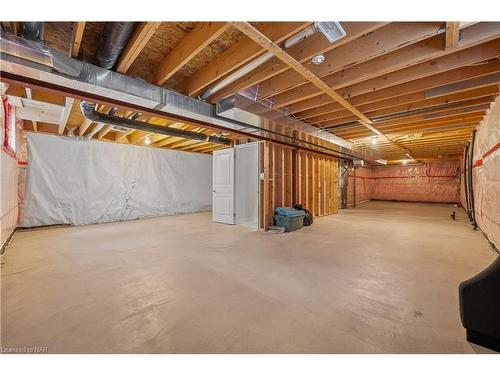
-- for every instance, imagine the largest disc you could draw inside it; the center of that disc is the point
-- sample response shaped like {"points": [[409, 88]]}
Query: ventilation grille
{"points": [[331, 30]]}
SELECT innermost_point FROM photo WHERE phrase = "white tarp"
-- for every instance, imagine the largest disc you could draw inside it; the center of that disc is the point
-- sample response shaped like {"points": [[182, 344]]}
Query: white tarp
{"points": [[486, 179], [87, 182]]}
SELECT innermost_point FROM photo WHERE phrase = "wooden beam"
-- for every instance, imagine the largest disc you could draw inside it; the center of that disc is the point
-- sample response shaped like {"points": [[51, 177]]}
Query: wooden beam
{"points": [[11, 27], [65, 115], [199, 38], [364, 50], [391, 105], [420, 86], [240, 53], [84, 126], [105, 130], [266, 43], [136, 44], [395, 68], [302, 51], [138, 136], [76, 38], [452, 34], [425, 107], [29, 96]]}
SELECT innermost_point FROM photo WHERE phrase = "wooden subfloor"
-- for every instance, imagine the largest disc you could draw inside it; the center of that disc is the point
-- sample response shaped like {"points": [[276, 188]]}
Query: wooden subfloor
{"points": [[381, 278]]}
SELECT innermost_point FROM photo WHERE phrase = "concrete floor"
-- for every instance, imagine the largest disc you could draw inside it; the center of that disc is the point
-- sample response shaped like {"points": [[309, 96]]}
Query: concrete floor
{"points": [[381, 278]]}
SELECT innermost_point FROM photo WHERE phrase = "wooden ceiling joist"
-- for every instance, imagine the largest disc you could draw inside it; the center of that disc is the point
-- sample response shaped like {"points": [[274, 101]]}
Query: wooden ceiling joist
{"points": [[303, 51], [76, 38], [406, 73], [200, 37], [422, 85], [398, 104], [424, 109], [382, 41], [142, 33], [266, 43], [239, 54], [452, 34]]}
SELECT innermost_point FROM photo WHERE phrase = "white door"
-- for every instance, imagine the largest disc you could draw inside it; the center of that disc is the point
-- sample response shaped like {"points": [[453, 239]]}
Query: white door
{"points": [[223, 186]]}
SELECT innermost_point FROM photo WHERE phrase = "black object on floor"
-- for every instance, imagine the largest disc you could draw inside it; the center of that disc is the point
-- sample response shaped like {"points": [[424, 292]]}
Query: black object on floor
{"points": [[479, 299], [453, 216], [308, 219]]}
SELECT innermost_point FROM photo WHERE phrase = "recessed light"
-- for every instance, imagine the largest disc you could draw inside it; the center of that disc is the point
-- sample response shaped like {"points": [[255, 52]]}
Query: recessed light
{"points": [[318, 59]]}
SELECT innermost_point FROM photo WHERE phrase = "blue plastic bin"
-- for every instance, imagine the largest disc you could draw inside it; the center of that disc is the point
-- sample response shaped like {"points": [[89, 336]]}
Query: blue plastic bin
{"points": [[289, 217]]}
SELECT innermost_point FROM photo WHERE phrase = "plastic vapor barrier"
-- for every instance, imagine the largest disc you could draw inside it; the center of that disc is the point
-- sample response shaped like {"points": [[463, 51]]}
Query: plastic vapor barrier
{"points": [[486, 175], [87, 182], [427, 182]]}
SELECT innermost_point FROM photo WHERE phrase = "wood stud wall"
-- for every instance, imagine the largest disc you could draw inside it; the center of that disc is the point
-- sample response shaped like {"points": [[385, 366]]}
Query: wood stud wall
{"points": [[296, 176]]}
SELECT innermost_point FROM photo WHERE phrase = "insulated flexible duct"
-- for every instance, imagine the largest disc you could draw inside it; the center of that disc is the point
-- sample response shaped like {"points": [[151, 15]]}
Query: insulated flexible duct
{"points": [[33, 31], [113, 41], [88, 110]]}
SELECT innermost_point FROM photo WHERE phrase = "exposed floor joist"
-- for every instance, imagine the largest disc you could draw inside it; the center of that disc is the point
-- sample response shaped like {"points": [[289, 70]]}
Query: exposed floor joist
{"points": [[266, 43], [135, 45], [200, 37]]}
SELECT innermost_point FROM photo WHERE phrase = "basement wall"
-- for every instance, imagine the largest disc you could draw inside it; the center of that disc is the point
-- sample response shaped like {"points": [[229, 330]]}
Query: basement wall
{"points": [[364, 185], [486, 175], [88, 182], [293, 176], [9, 206], [427, 182], [8, 189]]}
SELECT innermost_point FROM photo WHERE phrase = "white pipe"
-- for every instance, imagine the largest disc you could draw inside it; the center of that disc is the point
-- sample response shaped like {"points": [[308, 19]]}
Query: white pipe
{"points": [[236, 75], [307, 32]]}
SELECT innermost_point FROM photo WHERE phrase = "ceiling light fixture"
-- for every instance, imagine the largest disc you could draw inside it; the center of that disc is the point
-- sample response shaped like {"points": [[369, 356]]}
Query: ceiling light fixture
{"points": [[374, 139], [147, 140], [318, 59]]}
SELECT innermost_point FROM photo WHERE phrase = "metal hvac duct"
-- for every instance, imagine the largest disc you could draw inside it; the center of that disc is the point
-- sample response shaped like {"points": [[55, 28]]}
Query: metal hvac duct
{"points": [[88, 110], [33, 31], [113, 41]]}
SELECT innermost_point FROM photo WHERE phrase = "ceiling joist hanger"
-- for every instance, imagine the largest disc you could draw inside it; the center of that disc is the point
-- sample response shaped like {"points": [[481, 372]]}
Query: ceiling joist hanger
{"points": [[270, 46]]}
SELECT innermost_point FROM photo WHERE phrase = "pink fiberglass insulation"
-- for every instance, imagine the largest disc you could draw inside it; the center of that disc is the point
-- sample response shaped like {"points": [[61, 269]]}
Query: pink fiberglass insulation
{"points": [[363, 185], [427, 182], [486, 174]]}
